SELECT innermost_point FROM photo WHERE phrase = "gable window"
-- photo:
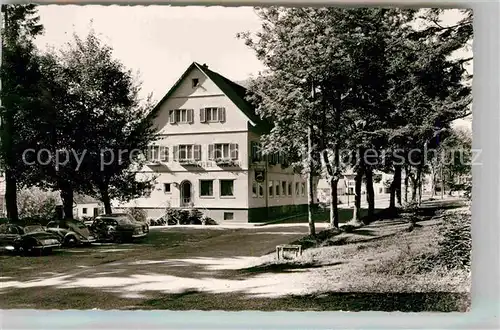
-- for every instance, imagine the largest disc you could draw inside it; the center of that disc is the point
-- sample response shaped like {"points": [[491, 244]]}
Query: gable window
{"points": [[213, 115], [206, 188], [271, 188], [187, 152], [166, 188], [223, 151], [181, 116], [226, 188], [195, 82]]}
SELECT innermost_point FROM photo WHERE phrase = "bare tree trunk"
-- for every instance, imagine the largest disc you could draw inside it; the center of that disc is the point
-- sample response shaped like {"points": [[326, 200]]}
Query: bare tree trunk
{"points": [[395, 188], [442, 182], [433, 181], [106, 201], [370, 193], [310, 195], [356, 213], [407, 178], [11, 196], [67, 195], [420, 189]]}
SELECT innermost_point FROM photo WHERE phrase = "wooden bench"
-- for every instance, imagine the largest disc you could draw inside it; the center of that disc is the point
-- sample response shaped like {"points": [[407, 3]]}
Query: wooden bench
{"points": [[283, 248]]}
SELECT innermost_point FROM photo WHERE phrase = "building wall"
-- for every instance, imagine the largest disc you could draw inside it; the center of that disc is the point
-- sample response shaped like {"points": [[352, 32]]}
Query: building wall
{"points": [[78, 210], [208, 95], [234, 130]]}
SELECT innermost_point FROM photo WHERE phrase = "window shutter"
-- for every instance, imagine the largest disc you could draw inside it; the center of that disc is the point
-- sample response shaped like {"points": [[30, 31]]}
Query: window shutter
{"points": [[233, 150], [210, 152], [171, 115], [164, 154], [197, 152], [190, 116], [253, 151], [176, 153], [203, 116], [222, 115]]}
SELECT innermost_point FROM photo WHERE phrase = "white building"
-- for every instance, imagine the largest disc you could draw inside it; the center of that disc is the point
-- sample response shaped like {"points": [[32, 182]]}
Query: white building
{"points": [[207, 156]]}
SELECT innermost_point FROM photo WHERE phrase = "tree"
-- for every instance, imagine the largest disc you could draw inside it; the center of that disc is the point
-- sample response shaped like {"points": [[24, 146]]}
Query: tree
{"points": [[19, 77], [116, 121]]}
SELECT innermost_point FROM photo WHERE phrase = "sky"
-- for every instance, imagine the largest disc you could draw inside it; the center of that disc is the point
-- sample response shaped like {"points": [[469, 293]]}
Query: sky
{"points": [[160, 42]]}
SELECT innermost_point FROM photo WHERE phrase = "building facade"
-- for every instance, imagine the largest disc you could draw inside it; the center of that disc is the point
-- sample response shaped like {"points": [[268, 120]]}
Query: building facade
{"points": [[208, 156]]}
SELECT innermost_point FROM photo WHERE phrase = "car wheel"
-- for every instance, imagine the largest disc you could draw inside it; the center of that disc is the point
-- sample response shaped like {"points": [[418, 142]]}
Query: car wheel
{"points": [[70, 241]]}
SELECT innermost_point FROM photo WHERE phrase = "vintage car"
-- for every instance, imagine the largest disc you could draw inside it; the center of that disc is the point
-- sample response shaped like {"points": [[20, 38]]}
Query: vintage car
{"points": [[71, 232], [28, 239], [118, 228]]}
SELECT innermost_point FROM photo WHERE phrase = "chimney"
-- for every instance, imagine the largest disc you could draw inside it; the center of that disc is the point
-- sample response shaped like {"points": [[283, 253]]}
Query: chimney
{"points": [[205, 65]]}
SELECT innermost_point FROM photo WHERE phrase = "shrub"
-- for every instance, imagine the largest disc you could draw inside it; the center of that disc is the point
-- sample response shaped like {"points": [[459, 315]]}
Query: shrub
{"points": [[187, 217], [138, 214], [37, 206], [208, 221], [456, 243]]}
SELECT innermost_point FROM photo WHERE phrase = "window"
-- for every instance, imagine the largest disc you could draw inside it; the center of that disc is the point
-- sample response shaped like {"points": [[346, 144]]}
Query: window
{"points": [[226, 188], [254, 189], [228, 215], [164, 154], [256, 153], [166, 188], [223, 151], [261, 190], [182, 116], [297, 188], [187, 152], [84, 210], [277, 189], [212, 115], [303, 188], [271, 188], [157, 153], [206, 188], [289, 189], [283, 188], [195, 82]]}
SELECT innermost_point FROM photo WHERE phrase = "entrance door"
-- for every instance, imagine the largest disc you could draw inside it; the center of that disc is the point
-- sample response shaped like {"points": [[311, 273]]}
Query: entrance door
{"points": [[185, 193]]}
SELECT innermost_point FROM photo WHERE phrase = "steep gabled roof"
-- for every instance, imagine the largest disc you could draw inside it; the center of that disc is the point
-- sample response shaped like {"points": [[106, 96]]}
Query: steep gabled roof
{"points": [[236, 93]]}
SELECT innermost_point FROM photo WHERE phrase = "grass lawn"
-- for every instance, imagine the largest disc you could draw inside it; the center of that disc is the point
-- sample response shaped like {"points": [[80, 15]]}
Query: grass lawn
{"points": [[228, 269]]}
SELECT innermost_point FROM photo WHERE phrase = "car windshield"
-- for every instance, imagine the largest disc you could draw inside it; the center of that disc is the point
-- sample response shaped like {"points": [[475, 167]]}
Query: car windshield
{"points": [[33, 229]]}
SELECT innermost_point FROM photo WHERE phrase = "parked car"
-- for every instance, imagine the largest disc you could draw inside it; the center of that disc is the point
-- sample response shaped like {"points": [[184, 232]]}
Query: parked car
{"points": [[28, 239], [71, 232], [118, 227]]}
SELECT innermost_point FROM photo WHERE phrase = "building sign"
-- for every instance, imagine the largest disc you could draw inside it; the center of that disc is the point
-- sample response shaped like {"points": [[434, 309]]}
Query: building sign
{"points": [[259, 175]]}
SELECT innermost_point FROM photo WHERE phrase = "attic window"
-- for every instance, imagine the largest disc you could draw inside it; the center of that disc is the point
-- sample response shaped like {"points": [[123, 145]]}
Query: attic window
{"points": [[196, 82]]}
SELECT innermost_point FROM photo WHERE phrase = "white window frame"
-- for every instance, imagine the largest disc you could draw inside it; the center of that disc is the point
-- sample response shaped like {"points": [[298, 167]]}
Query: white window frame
{"points": [[181, 116], [220, 188], [207, 196]]}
